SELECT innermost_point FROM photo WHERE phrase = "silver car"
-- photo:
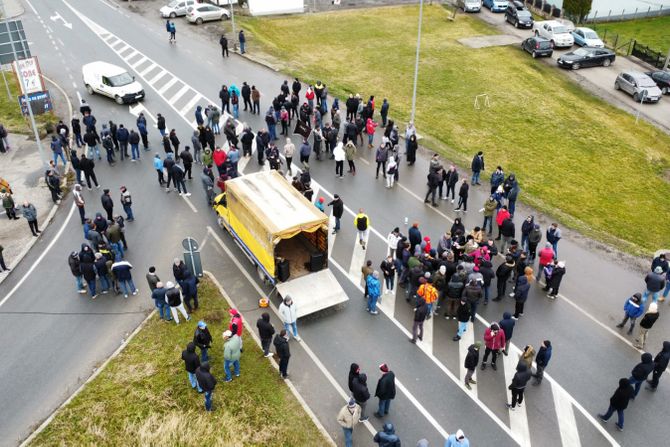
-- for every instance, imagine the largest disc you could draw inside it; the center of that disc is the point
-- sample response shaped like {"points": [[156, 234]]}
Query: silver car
{"points": [[638, 84]]}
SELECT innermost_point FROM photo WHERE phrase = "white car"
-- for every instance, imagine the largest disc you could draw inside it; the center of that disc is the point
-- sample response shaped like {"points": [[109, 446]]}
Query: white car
{"points": [[556, 32], [111, 80], [470, 5], [586, 37], [205, 12], [176, 8]]}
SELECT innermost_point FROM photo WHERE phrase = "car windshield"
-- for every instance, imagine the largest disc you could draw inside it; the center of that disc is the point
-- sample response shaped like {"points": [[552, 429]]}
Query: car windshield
{"points": [[174, 3], [581, 52], [120, 80], [560, 30], [590, 35]]}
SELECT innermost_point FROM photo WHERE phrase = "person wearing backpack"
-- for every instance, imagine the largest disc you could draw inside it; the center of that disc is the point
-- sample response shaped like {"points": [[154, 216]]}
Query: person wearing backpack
{"points": [[362, 222]]}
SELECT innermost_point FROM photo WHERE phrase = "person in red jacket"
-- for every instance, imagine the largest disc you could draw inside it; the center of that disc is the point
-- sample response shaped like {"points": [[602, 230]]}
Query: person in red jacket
{"points": [[546, 256], [503, 214], [494, 340], [235, 322], [219, 157], [370, 127]]}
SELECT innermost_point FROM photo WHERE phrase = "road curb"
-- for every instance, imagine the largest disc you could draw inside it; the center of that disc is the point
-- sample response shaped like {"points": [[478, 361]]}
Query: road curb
{"points": [[54, 208], [294, 390], [95, 374]]}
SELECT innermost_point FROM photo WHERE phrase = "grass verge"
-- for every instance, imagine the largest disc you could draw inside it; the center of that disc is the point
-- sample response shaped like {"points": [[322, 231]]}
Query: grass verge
{"points": [[10, 112], [654, 32], [576, 156], [143, 397]]}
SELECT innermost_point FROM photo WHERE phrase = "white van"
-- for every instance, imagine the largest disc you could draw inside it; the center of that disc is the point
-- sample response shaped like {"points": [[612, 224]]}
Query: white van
{"points": [[113, 81]]}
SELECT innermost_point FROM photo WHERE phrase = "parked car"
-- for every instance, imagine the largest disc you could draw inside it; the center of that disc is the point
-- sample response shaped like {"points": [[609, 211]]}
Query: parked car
{"points": [[176, 8], [662, 80], [557, 33], [470, 5], [517, 14], [586, 37], [586, 57], [636, 83], [538, 46], [205, 12], [496, 5], [566, 23], [111, 80]]}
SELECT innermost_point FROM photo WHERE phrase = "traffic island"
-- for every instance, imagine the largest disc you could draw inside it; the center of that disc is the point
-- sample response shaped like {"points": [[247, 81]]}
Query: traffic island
{"points": [[142, 395]]}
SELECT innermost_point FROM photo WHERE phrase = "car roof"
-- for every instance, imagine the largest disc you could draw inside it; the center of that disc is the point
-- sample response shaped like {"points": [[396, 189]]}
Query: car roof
{"points": [[200, 5], [635, 74], [540, 38], [519, 5], [584, 29], [550, 22], [104, 68]]}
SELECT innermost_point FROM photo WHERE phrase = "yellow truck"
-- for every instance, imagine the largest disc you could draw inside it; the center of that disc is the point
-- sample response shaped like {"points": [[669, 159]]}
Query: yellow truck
{"points": [[283, 235]]}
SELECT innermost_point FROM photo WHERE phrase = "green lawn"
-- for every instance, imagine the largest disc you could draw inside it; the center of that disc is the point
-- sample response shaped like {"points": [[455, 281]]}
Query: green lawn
{"points": [[654, 33], [10, 112], [577, 157], [143, 398]]}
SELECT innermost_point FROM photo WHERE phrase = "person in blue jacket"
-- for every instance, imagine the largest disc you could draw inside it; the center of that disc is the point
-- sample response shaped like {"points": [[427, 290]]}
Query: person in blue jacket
{"points": [[387, 437], [457, 439], [633, 309], [542, 360]]}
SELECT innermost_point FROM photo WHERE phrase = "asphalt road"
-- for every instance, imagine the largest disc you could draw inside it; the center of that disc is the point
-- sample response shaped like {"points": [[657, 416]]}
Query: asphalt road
{"points": [[55, 337]]}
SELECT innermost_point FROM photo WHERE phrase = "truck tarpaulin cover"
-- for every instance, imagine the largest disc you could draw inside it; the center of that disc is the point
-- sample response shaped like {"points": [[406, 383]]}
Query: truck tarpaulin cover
{"points": [[270, 209]]}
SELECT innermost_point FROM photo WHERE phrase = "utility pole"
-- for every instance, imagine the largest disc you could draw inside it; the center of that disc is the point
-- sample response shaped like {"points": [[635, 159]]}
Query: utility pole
{"points": [[416, 62], [232, 19], [24, 87]]}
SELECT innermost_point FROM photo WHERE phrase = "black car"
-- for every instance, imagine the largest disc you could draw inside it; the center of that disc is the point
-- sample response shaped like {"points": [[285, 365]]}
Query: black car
{"points": [[517, 14], [662, 79], [538, 46], [587, 57]]}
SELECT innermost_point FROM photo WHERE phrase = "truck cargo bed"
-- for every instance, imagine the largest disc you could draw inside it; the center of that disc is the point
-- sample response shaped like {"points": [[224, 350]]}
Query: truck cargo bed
{"points": [[313, 292]]}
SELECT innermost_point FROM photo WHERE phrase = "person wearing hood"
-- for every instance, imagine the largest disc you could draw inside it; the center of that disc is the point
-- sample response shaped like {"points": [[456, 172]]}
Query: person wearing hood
{"points": [[457, 439], [511, 188], [641, 371], [388, 268], [660, 364], [534, 238], [463, 313], [57, 149], [518, 385], [203, 340], [207, 383], [503, 273], [348, 417], [507, 325], [655, 281], [121, 270], [173, 298], [361, 393], [289, 315], [232, 351], [619, 402], [339, 155], [374, 292], [387, 437], [494, 340], [556, 278], [87, 267], [75, 268], [102, 271], [633, 309], [520, 296], [471, 362], [473, 293], [542, 360], [526, 227], [283, 352], [385, 390], [421, 311], [354, 372], [191, 364], [265, 331]]}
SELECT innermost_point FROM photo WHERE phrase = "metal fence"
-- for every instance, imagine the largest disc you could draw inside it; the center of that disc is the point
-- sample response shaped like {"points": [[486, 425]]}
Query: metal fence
{"points": [[648, 55], [627, 14]]}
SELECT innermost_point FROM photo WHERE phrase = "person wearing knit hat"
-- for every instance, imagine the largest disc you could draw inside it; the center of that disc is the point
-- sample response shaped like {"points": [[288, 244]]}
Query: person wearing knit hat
{"points": [[319, 204], [655, 281], [385, 391], [556, 277], [457, 439], [203, 340], [471, 362], [348, 417], [646, 324]]}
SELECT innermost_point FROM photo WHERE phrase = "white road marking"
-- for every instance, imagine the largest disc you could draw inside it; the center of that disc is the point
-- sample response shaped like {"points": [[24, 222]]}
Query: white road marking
{"points": [[178, 95], [467, 339], [357, 261], [565, 416], [157, 77], [146, 71], [427, 341], [331, 238], [142, 60], [190, 104], [303, 344], [74, 84], [188, 202], [421, 409], [60, 42], [169, 84], [39, 259], [518, 419], [108, 5], [33, 8], [78, 97]]}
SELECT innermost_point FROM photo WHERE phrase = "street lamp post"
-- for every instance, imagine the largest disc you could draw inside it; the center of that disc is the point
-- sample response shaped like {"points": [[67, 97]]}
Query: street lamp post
{"points": [[416, 62], [232, 19], [24, 86]]}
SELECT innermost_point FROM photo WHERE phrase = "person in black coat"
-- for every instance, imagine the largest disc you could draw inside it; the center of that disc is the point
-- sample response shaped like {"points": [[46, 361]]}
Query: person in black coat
{"points": [[640, 372], [361, 394], [203, 340], [507, 325], [486, 269], [463, 196], [354, 371], [265, 331], [107, 204], [420, 314], [660, 364], [471, 362], [207, 383], [434, 180], [520, 296], [87, 165], [87, 268], [518, 385], [503, 272], [385, 390], [463, 314], [556, 278], [283, 352], [191, 364], [477, 166], [619, 402], [338, 211]]}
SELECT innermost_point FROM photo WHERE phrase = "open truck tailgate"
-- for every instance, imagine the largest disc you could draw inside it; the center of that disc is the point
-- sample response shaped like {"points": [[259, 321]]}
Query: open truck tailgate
{"points": [[313, 292]]}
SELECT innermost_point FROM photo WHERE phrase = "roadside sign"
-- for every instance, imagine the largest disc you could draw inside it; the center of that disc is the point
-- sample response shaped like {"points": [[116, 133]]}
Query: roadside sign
{"points": [[40, 102], [29, 70], [11, 31], [192, 256]]}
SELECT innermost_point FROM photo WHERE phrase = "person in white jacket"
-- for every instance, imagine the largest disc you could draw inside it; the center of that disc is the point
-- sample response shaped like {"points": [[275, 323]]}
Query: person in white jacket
{"points": [[339, 155], [392, 241], [391, 169], [289, 315]]}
